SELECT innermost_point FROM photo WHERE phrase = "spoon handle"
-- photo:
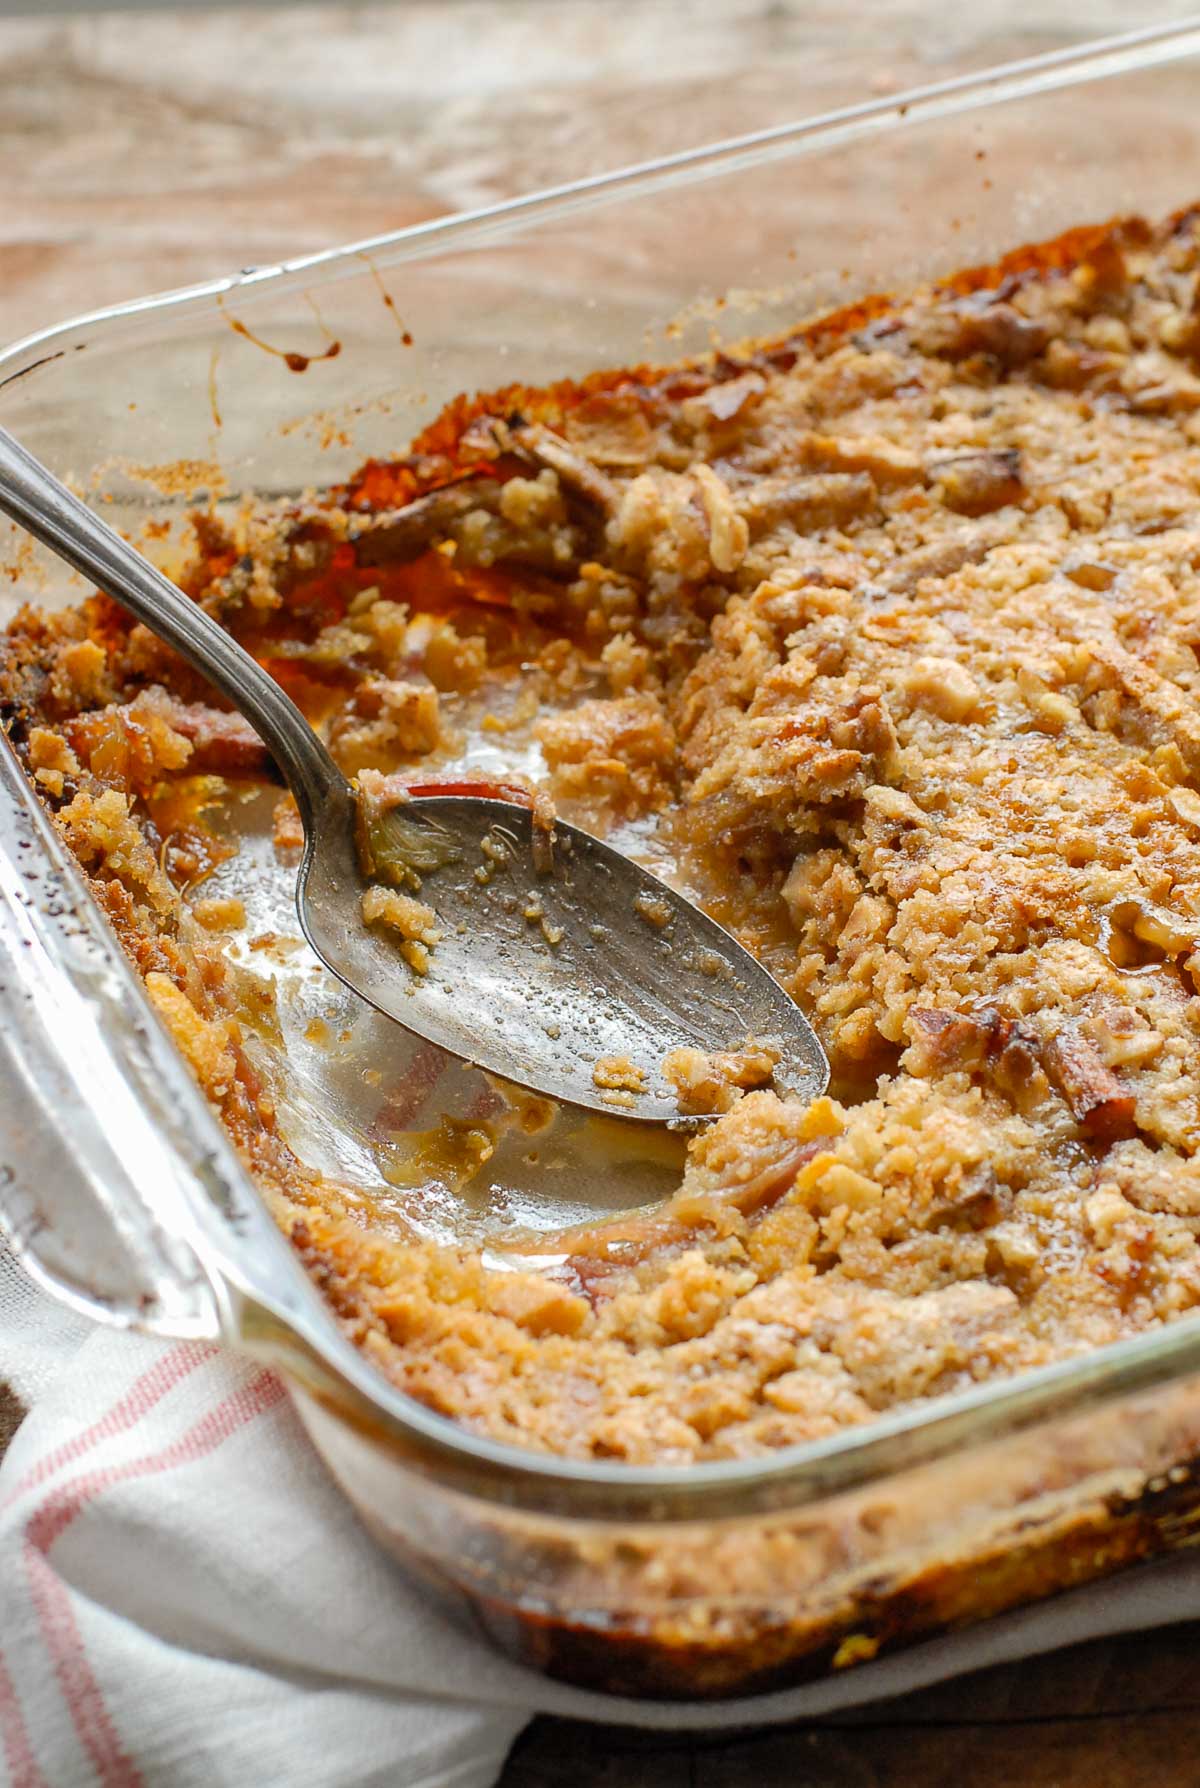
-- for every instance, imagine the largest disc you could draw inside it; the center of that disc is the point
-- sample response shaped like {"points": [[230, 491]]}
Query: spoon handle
{"points": [[33, 497]]}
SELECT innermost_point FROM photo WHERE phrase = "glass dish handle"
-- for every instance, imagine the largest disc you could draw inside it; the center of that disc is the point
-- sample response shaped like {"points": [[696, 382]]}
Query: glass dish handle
{"points": [[78, 1146]]}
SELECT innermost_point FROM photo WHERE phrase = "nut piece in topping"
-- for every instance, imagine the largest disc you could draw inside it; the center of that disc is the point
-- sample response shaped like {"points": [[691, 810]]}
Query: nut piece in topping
{"points": [[1123, 1038], [416, 923], [978, 483], [942, 687], [1100, 1102], [707, 1084]]}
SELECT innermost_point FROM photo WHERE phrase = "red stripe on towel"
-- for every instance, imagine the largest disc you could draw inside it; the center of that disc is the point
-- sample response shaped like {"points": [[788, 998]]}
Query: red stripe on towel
{"points": [[52, 1599], [141, 1397], [23, 1771]]}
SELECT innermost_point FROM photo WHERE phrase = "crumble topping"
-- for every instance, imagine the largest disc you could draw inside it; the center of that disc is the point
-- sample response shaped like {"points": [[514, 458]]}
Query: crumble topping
{"points": [[886, 638], [617, 1073], [415, 922], [707, 1082]]}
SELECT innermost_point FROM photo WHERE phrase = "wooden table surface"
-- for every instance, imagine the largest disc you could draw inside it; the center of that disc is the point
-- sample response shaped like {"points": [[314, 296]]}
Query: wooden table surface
{"points": [[143, 152]]}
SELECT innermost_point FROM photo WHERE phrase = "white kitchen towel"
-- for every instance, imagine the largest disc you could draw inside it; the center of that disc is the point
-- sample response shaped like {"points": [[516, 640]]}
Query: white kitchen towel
{"points": [[37, 1334], [186, 1599]]}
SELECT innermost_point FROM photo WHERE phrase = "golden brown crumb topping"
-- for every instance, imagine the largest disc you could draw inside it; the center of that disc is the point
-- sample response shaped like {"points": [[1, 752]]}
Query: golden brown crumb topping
{"points": [[415, 922], [887, 639], [705, 1083]]}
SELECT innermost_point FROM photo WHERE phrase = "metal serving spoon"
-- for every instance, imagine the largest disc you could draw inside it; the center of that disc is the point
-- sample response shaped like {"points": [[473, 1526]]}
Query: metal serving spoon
{"points": [[556, 952]]}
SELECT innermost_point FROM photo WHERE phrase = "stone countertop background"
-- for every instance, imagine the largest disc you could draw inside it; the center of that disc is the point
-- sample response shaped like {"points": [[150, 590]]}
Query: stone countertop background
{"points": [[151, 149]]}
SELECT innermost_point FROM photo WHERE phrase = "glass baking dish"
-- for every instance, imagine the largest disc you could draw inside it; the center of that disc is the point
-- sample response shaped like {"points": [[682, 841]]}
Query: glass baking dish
{"points": [[121, 1191]]}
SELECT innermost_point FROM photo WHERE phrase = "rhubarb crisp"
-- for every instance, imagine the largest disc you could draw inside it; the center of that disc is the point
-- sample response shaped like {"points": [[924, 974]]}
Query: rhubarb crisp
{"points": [[883, 640]]}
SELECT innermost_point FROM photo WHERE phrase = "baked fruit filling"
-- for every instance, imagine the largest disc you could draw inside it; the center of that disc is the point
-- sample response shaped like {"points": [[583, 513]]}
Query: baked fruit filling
{"points": [[884, 641]]}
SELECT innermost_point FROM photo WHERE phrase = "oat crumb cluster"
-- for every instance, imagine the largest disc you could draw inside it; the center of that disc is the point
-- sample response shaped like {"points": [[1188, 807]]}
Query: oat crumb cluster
{"points": [[888, 633]]}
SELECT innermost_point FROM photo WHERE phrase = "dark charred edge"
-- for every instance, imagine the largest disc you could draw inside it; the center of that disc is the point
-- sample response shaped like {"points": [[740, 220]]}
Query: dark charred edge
{"points": [[443, 450]]}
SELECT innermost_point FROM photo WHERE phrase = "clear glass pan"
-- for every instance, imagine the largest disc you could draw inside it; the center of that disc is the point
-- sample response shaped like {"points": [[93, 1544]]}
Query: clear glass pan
{"points": [[727, 1577]]}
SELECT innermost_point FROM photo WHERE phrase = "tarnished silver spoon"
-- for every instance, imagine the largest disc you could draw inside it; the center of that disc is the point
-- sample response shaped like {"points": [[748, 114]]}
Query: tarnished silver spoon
{"points": [[555, 951]]}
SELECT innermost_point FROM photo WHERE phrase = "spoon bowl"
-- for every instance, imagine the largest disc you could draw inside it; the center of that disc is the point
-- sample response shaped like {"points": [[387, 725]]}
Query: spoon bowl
{"points": [[546, 964]]}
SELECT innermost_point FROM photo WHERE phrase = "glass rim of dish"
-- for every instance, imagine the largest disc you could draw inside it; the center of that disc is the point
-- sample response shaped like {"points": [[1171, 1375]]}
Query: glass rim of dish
{"points": [[916, 1435]]}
